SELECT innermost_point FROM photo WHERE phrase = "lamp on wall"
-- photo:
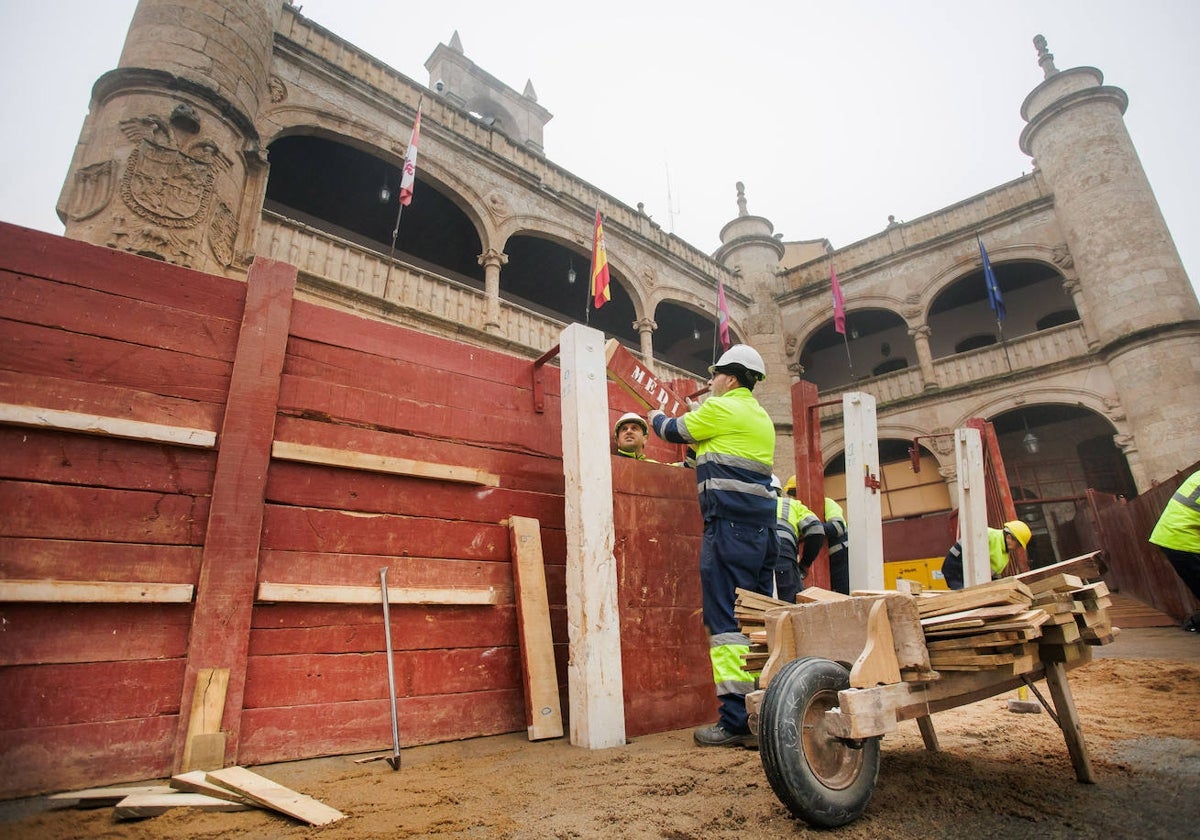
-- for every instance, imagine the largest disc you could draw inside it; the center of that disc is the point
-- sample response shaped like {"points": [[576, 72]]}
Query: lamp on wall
{"points": [[695, 330], [1030, 441], [385, 195], [571, 272]]}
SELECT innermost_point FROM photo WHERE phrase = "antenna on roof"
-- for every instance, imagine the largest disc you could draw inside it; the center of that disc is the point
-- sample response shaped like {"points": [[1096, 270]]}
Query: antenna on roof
{"points": [[671, 208]]}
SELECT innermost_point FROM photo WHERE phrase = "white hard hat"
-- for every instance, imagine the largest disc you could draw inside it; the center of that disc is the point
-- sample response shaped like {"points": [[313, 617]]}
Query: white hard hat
{"points": [[631, 417], [744, 355]]}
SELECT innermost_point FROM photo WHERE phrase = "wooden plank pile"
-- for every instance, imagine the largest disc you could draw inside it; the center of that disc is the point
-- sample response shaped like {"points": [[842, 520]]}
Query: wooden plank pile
{"points": [[985, 627], [750, 610], [230, 789], [1015, 623]]}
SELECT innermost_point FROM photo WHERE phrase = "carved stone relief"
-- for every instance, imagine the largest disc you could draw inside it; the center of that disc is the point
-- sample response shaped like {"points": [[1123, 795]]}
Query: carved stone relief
{"points": [[277, 89], [170, 184], [92, 190]]}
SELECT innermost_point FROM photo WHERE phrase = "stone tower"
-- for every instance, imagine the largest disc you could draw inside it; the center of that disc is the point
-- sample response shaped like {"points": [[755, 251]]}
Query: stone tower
{"points": [[169, 163], [752, 252], [1146, 317]]}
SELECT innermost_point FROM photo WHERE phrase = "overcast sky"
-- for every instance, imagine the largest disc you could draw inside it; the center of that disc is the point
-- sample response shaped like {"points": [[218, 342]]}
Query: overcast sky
{"points": [[834, 114]]}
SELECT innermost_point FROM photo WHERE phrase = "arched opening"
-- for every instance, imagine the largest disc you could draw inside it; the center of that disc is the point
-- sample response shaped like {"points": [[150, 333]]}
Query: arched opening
{"points": [[1053, 454], [555, 280], [335, 187], [873, 338], [686, 338], [961, 320]]}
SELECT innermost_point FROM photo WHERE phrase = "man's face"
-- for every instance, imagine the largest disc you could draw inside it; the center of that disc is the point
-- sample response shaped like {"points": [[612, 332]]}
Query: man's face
{"points": [[631, 437], [721, 383]]}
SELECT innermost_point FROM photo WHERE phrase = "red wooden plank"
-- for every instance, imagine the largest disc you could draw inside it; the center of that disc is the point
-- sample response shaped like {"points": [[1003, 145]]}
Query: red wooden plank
{"points": [[299, 680], [44, 633], [664, 708], [363, 570], [56, 695], [93, 513], [28, 559], [71, 458], [344, 329], [33, 300], [84, 755], [312, 529], [44, 351], [309, 628], [225, 591], [312, 485], [659, 481], [535, 433], [283, 734], [537, 473], [309, 360], [118, 272], [20, 388]]}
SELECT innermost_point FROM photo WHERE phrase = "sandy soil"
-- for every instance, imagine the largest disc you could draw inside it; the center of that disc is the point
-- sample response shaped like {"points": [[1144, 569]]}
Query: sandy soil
{"points": [[998, 774]]}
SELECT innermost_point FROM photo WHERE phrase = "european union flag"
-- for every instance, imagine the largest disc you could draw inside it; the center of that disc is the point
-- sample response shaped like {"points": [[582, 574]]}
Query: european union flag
{"points": [[989, 278]]}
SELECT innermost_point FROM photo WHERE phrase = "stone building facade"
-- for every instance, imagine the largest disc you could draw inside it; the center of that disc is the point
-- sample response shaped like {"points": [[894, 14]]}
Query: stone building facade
{"points": [[234, 129]]}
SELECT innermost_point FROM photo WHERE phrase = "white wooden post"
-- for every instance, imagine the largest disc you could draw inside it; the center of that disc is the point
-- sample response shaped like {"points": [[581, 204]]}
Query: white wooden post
{"points": [[972, 506], [864, 520], [595, 683]]}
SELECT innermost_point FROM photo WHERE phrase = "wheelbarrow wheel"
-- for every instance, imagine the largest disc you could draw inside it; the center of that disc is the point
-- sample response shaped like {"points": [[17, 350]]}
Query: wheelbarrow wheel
{"points": [[823, 780]]}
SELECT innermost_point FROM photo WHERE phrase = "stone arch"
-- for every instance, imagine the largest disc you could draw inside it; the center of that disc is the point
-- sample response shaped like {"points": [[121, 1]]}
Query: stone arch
{"points": [[876, 331], [430, 170], [683, 343]]}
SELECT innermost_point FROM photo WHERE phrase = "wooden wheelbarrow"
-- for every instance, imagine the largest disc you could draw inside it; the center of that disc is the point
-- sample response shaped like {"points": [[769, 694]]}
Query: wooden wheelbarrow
{"points": [[842, 674]]}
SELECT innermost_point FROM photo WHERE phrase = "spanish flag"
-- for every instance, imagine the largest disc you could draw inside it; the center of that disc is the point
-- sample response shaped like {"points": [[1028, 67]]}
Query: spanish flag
{"points": [[600, 292]]}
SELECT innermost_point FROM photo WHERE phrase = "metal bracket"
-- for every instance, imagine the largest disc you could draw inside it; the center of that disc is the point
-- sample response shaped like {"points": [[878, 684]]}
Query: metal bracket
{"points": [[539, 391]]}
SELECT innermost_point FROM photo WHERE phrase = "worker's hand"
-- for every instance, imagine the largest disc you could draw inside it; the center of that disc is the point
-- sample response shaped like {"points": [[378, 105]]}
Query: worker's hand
{"points": [[692, 404], [654, 412]]}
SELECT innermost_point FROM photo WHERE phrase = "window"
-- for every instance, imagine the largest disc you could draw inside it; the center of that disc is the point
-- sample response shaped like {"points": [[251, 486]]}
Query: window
{"points": [[974, 342]]}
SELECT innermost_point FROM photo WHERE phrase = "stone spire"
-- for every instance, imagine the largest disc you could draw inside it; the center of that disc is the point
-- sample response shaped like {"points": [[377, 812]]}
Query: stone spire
{"points": [[170, 147], [1045, 57], [741, 199]]}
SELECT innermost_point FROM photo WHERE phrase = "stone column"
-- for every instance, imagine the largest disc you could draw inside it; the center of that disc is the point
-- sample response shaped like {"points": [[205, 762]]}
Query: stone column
{"points": [[646, 328], [920, 336], [170, 142], [1133, 289], [1074, 288], [491, 260]]}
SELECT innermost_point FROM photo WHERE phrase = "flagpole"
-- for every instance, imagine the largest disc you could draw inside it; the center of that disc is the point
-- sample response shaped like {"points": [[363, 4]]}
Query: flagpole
{"points": [[849, 361], [1004, 344], [387, 282]]}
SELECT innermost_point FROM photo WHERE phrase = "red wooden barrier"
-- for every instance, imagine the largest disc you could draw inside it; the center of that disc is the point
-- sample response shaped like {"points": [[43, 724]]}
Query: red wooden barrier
{"points": [[93, 332]]}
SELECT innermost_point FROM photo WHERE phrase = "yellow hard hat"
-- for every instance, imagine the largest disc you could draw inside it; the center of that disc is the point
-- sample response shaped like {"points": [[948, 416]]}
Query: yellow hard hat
{"points": [[790, 485], [1019, 530]]}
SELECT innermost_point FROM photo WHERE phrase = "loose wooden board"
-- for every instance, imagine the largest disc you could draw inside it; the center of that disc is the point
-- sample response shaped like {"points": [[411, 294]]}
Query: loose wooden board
{"points": [[273, 795], [321, 594], [94, 592], [140, 805], [96, 797], [373, 462], [194, 781]]}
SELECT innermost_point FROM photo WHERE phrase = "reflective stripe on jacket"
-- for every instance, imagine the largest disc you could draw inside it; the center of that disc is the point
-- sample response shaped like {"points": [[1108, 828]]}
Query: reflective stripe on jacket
{"points": [[1178, 527], [735, 445]]}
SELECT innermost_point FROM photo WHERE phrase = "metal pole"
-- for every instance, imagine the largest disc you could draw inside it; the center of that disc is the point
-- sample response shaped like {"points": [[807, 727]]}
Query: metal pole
{"points": [[394, 761]]}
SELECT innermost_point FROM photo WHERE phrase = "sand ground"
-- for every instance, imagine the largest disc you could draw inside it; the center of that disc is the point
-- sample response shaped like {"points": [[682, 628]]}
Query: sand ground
{"points": [[997, 774]]}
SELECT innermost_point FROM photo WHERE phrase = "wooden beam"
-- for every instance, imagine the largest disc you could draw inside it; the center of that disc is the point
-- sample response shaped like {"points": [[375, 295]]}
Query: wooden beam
{"points": [[94, 592], [595, 681], [312, 593], [229, 567], [205, 746], [370, 462], [141, 805], [543, 710], [96, 424], [272, 795]]}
